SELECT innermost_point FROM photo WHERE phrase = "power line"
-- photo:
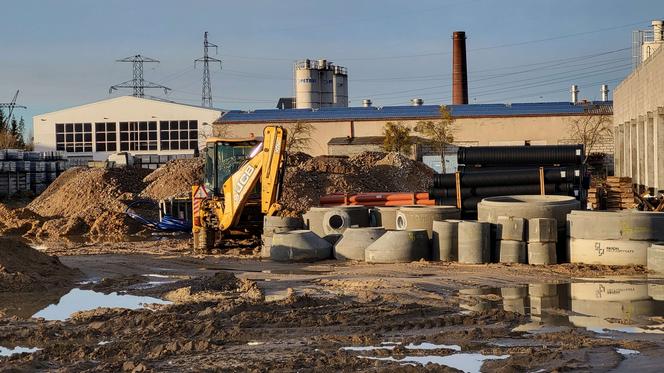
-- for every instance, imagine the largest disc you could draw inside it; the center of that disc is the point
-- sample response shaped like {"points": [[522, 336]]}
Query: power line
{"points": [[206, 100]]}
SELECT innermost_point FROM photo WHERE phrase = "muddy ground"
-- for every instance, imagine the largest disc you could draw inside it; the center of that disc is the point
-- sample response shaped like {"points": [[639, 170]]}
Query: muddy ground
{"points": [[234, 312]]}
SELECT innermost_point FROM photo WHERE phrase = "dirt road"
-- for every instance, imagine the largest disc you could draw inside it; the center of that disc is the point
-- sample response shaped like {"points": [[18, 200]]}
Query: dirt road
{"points": [[235, 312]]}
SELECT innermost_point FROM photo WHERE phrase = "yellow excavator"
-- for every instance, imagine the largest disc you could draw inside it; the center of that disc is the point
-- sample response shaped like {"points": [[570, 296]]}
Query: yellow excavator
{"points": [[242, 183]]}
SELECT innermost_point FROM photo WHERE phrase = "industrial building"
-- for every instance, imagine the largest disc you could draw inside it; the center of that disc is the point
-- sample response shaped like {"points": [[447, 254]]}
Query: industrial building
{"points": [[156, 130], [320, 83], [546, 123], [639, 113]]}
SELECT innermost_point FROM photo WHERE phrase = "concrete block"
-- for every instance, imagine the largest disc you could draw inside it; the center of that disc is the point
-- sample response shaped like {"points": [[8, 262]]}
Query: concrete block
{"points": [[422, 217], [474, 242], [385, 217], [619, 225], [656, 291], [445, 240], [266, 244], [541, 253], [354, 242], [655, 258], [512, 251], [608, 252], [313, 219], [340, 218], [527, 207], [542, 230], [510, 228], [299, 245], [399, 247]]}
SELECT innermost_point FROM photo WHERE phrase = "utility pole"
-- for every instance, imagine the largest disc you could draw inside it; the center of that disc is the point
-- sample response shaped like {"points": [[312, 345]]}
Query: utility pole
{"points": [[10, 109], [138, 84], [207, 87]]}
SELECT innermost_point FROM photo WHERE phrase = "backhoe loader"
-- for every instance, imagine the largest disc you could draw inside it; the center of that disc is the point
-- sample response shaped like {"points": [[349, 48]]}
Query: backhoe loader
{"points": [[242, 183]]}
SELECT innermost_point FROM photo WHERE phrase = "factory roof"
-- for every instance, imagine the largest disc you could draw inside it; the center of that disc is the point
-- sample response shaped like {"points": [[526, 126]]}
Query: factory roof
{"points": [[416, 112]]}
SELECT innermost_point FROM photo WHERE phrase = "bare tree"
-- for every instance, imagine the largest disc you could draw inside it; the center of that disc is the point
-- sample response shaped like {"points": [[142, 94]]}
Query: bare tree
{"points": [[298, 138], [590, 130], [220, 130], [438, 133], [397, 138]]}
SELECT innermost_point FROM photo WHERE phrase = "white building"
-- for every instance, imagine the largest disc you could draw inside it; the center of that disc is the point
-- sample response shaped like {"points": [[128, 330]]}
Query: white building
{"points": [[141, 126]]}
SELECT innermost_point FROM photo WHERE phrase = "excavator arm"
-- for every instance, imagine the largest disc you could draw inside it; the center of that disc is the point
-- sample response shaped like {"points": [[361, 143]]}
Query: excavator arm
{"points": [[266, 166]]}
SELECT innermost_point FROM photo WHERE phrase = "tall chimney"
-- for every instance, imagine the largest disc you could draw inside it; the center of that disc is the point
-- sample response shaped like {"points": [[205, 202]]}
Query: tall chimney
{"points": [[658, 30], [605, 92], [459, 69], [575, 93]]}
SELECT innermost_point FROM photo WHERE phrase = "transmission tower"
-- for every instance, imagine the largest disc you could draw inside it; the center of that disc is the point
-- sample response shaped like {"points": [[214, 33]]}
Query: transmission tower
{"points": [[207, 87], [138, 84], [10, 108]]}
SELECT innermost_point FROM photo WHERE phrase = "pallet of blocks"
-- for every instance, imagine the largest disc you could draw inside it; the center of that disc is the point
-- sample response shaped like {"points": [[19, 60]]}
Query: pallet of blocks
{"points": [[597, 198], [619, 193]]}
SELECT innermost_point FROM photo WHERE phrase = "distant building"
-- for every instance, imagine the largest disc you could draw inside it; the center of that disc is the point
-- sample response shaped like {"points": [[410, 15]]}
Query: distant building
{"points": [[156, 130]]}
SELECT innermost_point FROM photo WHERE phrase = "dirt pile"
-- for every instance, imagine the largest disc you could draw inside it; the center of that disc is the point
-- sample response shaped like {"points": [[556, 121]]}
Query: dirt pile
{"points": [[24, 269], [174, 179], [306, 180]]}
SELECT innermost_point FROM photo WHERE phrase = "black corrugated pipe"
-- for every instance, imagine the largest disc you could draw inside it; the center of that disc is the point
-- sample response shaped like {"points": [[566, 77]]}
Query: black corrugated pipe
{"points": [[517, 155], [501, 190], [470, 203], [475, 169], [507, 177]]}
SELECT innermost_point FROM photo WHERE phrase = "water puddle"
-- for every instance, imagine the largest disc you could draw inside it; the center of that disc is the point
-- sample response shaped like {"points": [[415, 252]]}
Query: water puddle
{"points": [[634, 305], [82, 300], [627, 352], [4, 351], [467, 362]]}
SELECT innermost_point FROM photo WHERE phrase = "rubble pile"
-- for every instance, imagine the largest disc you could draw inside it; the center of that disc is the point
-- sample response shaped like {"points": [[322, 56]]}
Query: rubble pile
{"points": [[174, 179], [305, 181]]}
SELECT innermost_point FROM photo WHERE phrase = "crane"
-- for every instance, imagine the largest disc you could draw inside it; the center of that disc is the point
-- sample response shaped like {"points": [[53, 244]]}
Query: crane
{"points": [[10, 105]]}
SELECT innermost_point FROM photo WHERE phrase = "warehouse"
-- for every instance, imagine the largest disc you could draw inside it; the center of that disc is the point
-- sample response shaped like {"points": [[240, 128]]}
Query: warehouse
{"points": [[155, 129], [545, 123]]}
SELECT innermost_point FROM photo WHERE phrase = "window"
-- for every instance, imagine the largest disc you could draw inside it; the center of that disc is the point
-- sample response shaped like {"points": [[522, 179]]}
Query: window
{"points": [[178, 134], [105, 137], [73, 137], [138, 136]]}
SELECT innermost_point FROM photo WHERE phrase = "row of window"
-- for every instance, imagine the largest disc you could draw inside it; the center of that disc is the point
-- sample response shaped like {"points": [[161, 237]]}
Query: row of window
{"points": [[132, 136]]}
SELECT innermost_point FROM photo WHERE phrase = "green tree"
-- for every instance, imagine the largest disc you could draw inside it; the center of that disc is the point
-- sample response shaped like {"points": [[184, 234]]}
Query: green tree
{"points": [[298, 137], [397, 138], [438, 133]]}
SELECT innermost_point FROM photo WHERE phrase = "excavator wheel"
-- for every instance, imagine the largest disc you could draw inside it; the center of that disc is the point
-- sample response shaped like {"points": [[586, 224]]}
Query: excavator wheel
{"points": [[204, 243]]}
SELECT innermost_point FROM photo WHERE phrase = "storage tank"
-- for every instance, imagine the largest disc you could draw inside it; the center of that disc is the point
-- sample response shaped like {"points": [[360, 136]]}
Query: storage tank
{"points": [[326, 76], [307, 86], [340, 87]]}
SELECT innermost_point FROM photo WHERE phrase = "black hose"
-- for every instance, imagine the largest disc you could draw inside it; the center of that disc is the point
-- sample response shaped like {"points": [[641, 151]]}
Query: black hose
{"points": [[507, 177], [519, 155]]}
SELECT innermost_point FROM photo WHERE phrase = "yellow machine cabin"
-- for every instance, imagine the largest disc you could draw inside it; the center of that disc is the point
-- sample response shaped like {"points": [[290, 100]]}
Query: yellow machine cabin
{"points": [[242, 183]]}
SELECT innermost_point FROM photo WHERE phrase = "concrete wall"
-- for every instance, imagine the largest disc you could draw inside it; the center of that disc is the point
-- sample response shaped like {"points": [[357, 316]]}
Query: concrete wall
{"points": [[538, 130], [121, 109], [638, 116]]}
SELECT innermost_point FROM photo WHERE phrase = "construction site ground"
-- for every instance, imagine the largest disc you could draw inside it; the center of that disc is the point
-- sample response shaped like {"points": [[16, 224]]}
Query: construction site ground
{"points": [[234, 311]]}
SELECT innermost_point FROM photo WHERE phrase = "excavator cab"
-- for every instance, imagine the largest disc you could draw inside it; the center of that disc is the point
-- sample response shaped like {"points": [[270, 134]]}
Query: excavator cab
{"points": [[223, 157]]}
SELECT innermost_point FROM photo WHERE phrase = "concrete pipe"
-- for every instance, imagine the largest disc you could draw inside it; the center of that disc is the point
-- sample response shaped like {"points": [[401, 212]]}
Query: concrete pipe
{"points": [[300, 245], [354, 242], [385, 217], [609, 291], [359, 215], [512, 251], [399, 247], [445, 240], [656, 291], [510, 228], [338, 219], [543, 290], [313, 219], [266, 244], [474, 242], [616, 310], [542, 253], [637, 226], [538, 304], [655, 258], [422, 217], [514, 293], [332, 238], [608, 252], [527, 207], [542, 230], [280, 224]]}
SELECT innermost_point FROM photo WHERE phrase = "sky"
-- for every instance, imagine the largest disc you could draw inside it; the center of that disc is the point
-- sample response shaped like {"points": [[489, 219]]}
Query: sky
{"points": [[63, 53]]}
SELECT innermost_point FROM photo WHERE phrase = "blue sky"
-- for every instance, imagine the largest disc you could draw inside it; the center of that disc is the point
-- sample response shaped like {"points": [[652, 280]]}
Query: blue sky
{"points": [[62, 53]]}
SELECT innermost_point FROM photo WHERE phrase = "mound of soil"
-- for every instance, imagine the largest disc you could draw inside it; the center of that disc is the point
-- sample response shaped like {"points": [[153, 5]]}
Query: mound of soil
{"points": [[174, 179], [24, 269], [306, 180]]}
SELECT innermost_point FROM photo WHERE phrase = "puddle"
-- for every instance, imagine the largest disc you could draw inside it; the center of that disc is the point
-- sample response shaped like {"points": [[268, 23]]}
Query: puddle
{"points": [[467, 362], [628, 305], [294, 271], [81, 300], [431, 346], [4, 351], [627, 352]]}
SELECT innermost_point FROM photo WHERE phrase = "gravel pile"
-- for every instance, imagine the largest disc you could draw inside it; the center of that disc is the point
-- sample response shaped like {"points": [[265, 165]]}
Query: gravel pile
{"points": [[174, 179]]}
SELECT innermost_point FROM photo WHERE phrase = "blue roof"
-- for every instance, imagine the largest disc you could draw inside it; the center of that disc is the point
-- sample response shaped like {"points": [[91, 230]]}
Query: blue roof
{"points": [[408, 112]]}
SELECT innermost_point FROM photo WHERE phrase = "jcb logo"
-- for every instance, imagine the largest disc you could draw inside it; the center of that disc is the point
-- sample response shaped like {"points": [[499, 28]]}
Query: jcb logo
{"points": [[243, 181]]}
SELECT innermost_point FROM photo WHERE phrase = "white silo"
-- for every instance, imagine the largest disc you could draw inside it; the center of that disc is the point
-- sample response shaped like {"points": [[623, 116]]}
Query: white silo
{"points": [[307, 85], [340, 87], [325, 69]]}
